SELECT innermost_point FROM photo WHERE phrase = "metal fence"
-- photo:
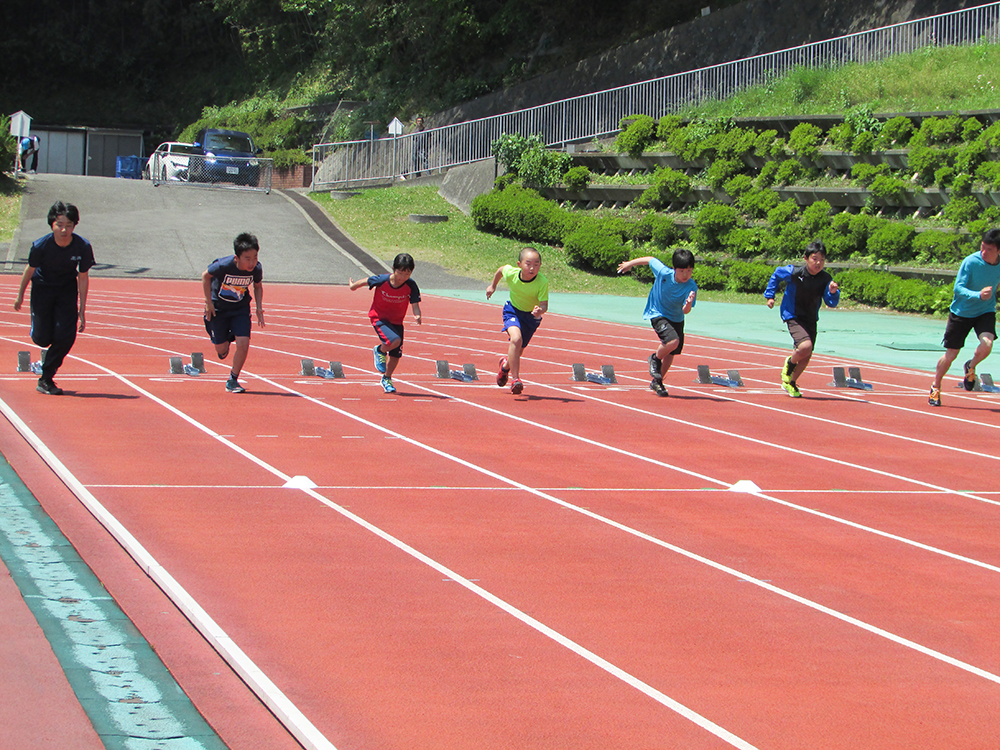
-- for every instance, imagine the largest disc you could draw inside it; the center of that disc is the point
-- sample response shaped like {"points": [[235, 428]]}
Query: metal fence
{"points": [[251, 173], [380, 161]]}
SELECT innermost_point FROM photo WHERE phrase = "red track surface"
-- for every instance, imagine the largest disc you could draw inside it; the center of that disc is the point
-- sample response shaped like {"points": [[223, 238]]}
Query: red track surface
{"points": [[566, 568]]}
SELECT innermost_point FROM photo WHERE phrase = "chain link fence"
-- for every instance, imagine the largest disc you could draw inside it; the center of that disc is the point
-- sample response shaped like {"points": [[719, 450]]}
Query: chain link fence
{"points": [[376, 162]]}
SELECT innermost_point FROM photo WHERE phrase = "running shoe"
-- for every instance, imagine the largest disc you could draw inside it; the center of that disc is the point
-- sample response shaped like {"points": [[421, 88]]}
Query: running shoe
{"points": [[502, 375], [654, 366], [379, 359], [48, 387], [935, 398], [969, 381], [786, 371], [233, 386], [656, 386], [516, 386], [387, 385], [793, 390]]}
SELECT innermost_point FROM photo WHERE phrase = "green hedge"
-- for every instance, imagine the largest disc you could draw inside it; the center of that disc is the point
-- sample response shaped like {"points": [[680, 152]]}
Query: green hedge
{"points": [[881, 289], [522, 213], [597, 247]]}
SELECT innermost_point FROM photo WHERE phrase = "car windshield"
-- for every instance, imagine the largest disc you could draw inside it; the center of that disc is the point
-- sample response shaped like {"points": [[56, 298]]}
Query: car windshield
{"points": [[228, 142]]}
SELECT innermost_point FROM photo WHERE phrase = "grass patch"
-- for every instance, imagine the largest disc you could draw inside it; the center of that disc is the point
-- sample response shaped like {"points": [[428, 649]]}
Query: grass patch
{"points": [[10, 207]]}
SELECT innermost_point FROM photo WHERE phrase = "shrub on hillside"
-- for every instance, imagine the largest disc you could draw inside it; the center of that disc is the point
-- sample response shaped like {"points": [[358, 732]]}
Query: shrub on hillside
{"points": [[924, 161], [592, 246], [768, 173], [714, 221], [789, 171], [523, 214], [577, 178], [720, 170], [666, 127], [750, 278], [637, 132], [667, 185], [708, 277], [896, 133], [805, 140], [865, 173], [935, 246], [865, 286], [891, 243], [912, 295], [961, 210], [888, 189], [756, 203]]}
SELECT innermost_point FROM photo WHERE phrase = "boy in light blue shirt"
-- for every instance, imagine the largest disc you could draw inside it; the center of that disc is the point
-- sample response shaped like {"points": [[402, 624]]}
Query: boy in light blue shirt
{"points": [[974, 307], [673, 295]]}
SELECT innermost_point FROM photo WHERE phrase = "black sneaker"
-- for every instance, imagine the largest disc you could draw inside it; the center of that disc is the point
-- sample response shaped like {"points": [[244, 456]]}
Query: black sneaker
{"points": [[233, 386], [654, 366], [46, 386], [969, 381], [656, 386]]}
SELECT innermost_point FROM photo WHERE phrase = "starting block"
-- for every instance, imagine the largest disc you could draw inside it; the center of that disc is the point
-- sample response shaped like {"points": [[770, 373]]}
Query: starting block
{"points": [[984, 382], [24, 361], [308, 368], [466, 374], [732, 379], [607, 376], [336, 371], [851, 380], [177, 366]]}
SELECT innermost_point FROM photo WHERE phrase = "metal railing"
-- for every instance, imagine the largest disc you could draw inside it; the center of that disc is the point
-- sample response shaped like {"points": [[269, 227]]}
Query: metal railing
{"points": [[380, 161]]}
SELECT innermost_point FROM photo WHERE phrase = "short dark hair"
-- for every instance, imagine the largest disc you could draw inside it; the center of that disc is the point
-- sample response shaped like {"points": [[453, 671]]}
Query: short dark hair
{"points": [[992, 237], [815, 247], [403, 262], [243, 242], [683, 258], [520, 255], [63, 209]]}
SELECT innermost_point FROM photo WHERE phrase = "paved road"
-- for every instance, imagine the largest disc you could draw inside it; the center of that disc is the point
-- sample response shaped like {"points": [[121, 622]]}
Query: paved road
{"points": [[175, 230]]}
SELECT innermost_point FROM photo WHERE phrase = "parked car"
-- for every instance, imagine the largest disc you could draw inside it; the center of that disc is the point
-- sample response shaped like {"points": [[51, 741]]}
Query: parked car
{"points": [[170, 161], [227, 156]]}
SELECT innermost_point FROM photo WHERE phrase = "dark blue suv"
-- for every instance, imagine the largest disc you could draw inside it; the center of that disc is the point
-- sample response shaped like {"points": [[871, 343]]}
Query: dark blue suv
{"points": [[229, 156]]}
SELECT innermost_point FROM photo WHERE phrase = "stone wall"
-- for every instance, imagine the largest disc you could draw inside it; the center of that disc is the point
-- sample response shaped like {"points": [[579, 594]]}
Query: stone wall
{"points": [[750, 28]]}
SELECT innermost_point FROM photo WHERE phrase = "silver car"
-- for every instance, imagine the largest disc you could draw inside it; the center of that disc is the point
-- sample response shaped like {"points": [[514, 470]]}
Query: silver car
{"points": [[169, 162]]}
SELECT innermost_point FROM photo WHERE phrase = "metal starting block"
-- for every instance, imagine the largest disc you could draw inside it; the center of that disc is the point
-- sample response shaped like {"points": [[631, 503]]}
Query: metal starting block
{"points": [[466, 374], [984, 382], [308, 368], [197, 366], [336, 371], [851, 380], [198, 361], [607, 376], [732, 379], [24, 363]]}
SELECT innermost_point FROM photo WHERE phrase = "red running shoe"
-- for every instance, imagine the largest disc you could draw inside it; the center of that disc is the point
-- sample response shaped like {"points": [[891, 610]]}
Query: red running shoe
{"points": [[502, 375], [516, 386]]}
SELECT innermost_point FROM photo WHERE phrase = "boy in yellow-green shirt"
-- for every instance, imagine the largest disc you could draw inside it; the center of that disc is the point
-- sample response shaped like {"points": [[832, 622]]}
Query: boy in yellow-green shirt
{"points": [[529, 300]]}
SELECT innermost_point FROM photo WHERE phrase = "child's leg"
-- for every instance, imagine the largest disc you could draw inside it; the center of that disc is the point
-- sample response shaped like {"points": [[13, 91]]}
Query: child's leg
{"points": [[242, 349], [514, 349], [943, 364], [982, 351], [665, 353], [800, 358], [222, 349], [390, 364]]}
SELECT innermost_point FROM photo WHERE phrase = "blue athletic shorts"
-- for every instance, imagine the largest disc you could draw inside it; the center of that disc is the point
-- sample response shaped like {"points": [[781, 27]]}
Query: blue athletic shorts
{"points": [[514, 318], [228, 325], [387, 333]]}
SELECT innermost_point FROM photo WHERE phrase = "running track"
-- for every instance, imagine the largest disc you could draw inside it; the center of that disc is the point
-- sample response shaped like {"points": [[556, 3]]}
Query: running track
{"points": [[564, 569]]}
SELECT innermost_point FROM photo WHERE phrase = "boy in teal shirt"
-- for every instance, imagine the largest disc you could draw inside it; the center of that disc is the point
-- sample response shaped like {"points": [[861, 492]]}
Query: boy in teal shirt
{"points": [[671, 298]]}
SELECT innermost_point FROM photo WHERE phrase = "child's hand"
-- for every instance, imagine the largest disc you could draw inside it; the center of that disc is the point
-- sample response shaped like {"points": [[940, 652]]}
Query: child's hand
{"points": [[260, 316], [489, 291], [986, 293], [690, 299], [624, 266], [770, 303], [537, 312], [418, 319], [834, 287]]}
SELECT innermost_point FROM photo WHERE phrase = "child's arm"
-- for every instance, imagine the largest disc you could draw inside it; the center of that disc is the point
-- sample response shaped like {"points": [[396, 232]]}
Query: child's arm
{"points": [[832, 294], [415, 308], [206, 285], [496, 280], [355, 285], [688, 303], [258, 294], [540, 309], [630, 264], [25, 278], [780, 274], [82, 287]]}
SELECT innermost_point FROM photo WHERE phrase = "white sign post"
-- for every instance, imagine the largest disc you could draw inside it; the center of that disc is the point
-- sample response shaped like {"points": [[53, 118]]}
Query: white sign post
{"points": [[20, 127], [395, 130]]}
